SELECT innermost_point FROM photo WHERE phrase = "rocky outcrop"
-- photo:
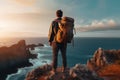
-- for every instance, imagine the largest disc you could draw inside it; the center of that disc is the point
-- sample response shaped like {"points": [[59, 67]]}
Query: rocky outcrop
{"points": [[32, 46], [98, 60], [78, 72], [16, 53], [106, 63], [102, 58], [38, 72], [110, 72], [14, 57]]}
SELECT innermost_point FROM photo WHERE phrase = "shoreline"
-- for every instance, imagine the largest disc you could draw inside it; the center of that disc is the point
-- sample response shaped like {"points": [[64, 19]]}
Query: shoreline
{"points": [[104, 65], [14, 69], [14, 57]]}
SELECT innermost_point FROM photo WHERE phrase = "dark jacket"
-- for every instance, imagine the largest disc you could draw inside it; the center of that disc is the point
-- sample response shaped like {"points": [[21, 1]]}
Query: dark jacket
{"points": [[53, 30]]}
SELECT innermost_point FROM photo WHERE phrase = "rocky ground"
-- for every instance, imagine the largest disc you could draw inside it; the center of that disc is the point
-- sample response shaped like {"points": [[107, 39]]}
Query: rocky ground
{"points": [[110, 72], [104, 65], [78, 72]]}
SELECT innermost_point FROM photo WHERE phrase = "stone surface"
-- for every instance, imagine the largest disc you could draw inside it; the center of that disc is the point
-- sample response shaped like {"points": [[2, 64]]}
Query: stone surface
{"points": [[38, 72], [106, 63], [102, 58], [78, 72]]}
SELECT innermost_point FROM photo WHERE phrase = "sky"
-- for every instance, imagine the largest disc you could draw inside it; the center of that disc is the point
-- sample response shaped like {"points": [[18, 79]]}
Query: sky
{"points": [[32, 18]]}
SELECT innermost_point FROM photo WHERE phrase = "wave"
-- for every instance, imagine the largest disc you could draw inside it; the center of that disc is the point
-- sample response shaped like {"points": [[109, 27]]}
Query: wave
{"points": [[20, 75], [45, 45], [40, 60]]}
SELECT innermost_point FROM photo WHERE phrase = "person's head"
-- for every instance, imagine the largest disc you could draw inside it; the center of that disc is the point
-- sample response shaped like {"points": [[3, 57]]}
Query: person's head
{"points": [[59, 13]]}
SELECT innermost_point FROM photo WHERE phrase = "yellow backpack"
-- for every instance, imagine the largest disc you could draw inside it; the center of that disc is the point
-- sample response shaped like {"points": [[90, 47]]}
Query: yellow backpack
{"points": [[65, 31]]}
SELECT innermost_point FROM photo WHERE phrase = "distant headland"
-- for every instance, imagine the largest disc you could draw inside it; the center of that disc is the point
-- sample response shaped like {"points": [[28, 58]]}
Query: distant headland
{"points": [[14, 57]]}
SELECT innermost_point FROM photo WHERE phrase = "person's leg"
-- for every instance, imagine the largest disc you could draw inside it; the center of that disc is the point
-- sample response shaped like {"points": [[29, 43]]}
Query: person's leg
{"points": [[55, 55], [63, 52]]}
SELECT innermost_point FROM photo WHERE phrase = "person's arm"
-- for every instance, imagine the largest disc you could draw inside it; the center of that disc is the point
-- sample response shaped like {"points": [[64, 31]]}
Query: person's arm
{"points": [[51, 33]]}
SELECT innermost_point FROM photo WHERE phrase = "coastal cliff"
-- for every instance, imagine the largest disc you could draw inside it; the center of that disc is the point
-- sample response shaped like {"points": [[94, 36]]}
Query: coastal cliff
{"points": [[14, 57], [104, 65]]}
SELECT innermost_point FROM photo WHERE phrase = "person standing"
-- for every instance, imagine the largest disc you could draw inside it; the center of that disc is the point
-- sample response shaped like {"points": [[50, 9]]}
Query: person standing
{"points": [[56, 46]]}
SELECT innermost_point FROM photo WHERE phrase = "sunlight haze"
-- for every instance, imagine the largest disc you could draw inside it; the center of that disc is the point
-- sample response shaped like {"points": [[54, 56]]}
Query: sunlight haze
{"points": [[32, 18]]}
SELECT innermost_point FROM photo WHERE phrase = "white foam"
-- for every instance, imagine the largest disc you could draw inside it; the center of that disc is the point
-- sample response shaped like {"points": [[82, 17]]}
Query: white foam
{"points": [[39, 61], [21, 72], [40, 55], [45, 45]]}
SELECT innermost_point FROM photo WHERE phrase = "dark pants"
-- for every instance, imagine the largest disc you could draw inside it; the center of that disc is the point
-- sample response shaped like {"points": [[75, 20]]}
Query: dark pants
{"points": [[56, 47]]}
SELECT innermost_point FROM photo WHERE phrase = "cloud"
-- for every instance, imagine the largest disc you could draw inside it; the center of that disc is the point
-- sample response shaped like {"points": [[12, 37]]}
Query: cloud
{"points": [[25, 2], [34, 22], [96, 25], [23, 6], [14, 6], [26, 22], [21, 34]]}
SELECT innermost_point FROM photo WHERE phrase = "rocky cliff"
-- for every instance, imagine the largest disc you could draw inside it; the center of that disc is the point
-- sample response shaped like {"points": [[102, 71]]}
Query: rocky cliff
{"points": [[14, 57], [106, 63], [78, 72]]}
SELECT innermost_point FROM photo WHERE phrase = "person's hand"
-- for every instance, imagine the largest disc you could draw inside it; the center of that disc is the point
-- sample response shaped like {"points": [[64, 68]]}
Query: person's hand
{"points": [[50, 43]]}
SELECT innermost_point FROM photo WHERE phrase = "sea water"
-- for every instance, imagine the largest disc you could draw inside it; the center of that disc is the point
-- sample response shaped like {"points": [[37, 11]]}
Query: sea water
{"points": [[82, 50]]}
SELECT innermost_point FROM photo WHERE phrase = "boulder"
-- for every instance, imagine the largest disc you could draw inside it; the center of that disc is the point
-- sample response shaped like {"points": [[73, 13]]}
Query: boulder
{"points": [[38, 72], [78, 72], [81, 72]]}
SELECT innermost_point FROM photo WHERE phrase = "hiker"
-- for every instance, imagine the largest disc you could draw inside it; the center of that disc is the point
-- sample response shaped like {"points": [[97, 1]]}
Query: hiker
{"points": [[55, 45], [57, 42]]}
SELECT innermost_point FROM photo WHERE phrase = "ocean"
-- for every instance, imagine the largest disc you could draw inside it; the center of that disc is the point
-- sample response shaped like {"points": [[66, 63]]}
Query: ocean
{"points": [[83, 50]]}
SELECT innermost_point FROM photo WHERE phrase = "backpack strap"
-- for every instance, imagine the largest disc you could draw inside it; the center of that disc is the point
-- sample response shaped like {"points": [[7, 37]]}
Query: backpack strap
{"points": [[56, 26]]}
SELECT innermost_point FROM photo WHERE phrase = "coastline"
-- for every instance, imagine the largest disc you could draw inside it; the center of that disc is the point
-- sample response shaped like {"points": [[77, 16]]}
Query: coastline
{"points": [[104, 65], [79, 51], [14, 57]]}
